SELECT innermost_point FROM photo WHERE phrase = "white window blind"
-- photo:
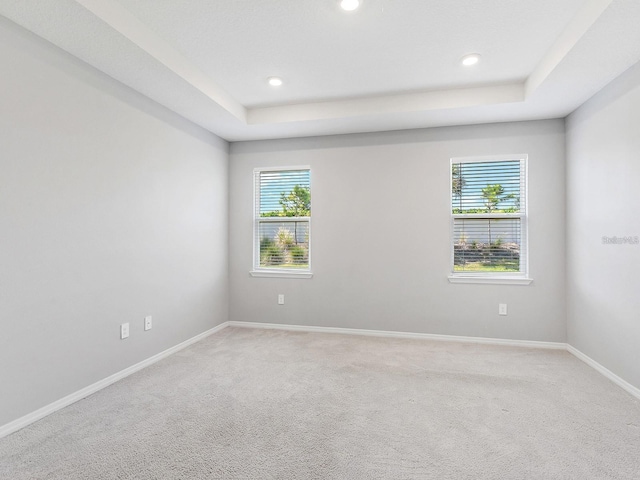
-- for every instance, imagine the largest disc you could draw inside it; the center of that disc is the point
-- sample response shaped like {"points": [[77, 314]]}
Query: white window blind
{"points": [[282, 219], [489, 216]]}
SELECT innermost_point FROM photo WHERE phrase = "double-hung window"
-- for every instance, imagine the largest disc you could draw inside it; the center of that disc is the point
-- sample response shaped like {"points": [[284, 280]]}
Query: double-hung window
{"points": [[489, 219], [282, 222]]}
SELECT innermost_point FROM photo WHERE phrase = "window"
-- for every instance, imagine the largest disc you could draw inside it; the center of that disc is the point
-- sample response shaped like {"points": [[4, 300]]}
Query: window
{"points": [[489, 219], [282, 222]]}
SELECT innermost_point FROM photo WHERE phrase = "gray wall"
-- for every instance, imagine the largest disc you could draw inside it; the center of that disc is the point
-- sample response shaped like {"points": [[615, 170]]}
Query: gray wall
{"points": [[380, 234], [111, 208], [603, 181]]}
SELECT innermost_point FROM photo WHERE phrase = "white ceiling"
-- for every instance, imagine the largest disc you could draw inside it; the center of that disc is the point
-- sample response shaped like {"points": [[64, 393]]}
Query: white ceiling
{"points": [[392, 64]]}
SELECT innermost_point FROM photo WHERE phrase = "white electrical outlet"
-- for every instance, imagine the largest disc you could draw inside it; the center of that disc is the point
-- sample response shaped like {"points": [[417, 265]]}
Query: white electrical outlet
{"points": [[124, 331], [502, 309], [148, 322], [281, 299]]}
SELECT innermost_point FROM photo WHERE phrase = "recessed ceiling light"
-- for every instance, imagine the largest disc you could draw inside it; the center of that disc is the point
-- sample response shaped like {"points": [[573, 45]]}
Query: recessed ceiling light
{"points": [[349, 5], [471, 59], [275, 81]]}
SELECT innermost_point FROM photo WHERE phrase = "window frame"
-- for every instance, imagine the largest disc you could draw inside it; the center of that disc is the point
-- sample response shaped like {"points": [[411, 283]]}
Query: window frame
{"points": [[276, 272], [497, 278]]}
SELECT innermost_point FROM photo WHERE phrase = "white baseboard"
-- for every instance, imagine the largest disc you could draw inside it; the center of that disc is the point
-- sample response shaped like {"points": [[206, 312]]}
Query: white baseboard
{"points": [[392, 334], [452, 338], [85, 392], [605, 371]]}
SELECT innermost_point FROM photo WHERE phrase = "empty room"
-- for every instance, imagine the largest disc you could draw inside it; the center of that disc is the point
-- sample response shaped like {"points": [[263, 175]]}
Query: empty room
{"points": [[319, 239]]}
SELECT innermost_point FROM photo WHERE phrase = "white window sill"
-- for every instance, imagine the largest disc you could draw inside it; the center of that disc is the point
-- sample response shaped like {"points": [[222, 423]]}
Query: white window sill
{"points": [[280, 274], [490, 280]]}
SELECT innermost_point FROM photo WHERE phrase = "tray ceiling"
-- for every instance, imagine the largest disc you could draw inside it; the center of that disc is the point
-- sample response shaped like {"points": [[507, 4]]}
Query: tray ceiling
{"points": [[391, 64]]}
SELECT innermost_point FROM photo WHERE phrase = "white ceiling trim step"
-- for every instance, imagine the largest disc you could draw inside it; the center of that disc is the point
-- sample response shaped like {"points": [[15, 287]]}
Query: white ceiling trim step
{"points": [[581, 23], [402, 103], [125, 23], [599, 40], [121, 20]]}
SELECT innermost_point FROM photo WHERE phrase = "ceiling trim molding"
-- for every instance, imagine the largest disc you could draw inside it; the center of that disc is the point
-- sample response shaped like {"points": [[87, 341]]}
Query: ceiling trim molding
{"points": [[389, 104], [121, 20], [587, 50], [581, 23], [125, 23]]}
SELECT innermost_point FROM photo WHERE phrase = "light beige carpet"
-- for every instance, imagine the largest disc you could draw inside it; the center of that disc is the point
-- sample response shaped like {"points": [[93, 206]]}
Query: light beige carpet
{"points": [[265, 404]]}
